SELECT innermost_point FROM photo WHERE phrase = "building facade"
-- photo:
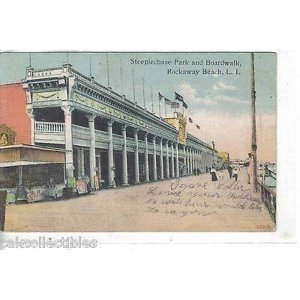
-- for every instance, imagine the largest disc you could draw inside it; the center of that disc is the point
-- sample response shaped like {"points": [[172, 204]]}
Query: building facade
{"points": [[106, 135]]}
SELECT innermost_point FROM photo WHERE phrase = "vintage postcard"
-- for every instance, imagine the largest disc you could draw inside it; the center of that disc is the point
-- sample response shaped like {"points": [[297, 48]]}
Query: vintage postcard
{"points": [[138, 142]]}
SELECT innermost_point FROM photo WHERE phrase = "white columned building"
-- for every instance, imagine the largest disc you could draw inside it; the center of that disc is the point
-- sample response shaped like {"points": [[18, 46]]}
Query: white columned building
{"points": [[111, 120]]}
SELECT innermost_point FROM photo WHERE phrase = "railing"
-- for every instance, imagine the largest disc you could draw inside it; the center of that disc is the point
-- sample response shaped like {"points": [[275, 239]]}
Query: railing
{"points": [[51, 127], [269, 199]]}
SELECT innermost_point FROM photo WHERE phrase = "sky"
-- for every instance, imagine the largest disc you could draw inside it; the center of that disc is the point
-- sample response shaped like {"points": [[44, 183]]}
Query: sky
{"points": [[218, 96]]}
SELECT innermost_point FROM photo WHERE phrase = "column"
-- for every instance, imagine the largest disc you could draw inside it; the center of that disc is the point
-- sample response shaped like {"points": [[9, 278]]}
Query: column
{"points": [[91, 120], [124, 156], [172, 161], [78, 162], [185, 161], [177, 161], [167, 161], [161, 160], [190, 161], [154, 160], [68, 140], [136, 157], [193, 161], [111, 169], [30, 113], [146, 158], [98, 157], [82, 162]]}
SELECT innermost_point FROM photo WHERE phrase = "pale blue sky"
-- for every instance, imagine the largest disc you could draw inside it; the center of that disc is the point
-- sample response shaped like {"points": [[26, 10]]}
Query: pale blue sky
{"points": [[220, 105], [228, 93]]}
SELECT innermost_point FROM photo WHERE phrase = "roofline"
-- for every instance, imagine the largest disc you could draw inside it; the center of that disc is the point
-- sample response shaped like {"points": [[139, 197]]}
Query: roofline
{"points": [[27, 146], [11, 83]]}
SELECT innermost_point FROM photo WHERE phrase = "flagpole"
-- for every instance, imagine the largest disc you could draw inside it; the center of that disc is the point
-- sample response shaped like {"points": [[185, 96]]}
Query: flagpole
{"points": [[133, 86], [90, 62], [159, 107], [121, 73], [152, 100], [144, 99], [165, 108], [253, 115], [107, 70]]}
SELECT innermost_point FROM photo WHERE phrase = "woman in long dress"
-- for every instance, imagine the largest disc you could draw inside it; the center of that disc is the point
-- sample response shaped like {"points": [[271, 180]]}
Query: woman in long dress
{"points": [[213, 173]]}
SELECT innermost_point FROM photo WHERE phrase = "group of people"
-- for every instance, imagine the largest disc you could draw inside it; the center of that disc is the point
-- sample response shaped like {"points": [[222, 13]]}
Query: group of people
{"points": [[233, 173]]}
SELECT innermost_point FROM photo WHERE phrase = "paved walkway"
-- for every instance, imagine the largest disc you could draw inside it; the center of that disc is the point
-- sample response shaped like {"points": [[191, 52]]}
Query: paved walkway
{"points": [[193, 203]]}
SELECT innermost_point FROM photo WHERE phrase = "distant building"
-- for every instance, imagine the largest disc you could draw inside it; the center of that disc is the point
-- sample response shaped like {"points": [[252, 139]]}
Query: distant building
{"points": [[225, 158]]}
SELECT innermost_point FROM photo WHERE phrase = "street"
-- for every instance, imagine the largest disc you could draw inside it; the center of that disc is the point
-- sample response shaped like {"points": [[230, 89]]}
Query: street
{"points": [[193, 203]]}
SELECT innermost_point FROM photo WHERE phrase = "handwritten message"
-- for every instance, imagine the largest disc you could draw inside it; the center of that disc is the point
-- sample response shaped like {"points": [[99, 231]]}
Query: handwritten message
{"points": [[184, 199]]}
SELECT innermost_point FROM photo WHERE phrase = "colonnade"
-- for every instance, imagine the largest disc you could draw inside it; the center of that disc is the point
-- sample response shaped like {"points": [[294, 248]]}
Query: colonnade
{"points": [[192, 157]]}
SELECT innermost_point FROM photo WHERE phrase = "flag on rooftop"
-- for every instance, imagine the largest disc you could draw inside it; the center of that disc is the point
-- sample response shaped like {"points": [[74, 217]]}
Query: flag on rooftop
{"points": [[180, 98], [160, 96]]}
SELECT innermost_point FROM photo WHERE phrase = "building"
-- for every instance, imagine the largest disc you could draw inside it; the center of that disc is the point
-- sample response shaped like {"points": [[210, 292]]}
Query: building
{"points": [[225, 158], [104, 134]]}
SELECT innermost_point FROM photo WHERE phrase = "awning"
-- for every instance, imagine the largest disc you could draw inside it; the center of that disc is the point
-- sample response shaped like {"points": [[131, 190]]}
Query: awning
{"points": [[26, 163], [24, 155]]}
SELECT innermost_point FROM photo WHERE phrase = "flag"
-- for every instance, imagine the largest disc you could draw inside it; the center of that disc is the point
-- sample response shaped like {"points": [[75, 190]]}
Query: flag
{"points": [[178, 97], [175, 105], [167, 101], [190, 120], [198, 127], [160, 96]]}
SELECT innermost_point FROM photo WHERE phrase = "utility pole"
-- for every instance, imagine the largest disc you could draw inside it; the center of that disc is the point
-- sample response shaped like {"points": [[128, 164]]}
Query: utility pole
{"points": [[253, 179]]}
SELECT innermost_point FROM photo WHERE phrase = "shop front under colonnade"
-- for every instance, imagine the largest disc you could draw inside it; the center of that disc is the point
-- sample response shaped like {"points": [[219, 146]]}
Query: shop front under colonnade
{"points": [[106, 134]]}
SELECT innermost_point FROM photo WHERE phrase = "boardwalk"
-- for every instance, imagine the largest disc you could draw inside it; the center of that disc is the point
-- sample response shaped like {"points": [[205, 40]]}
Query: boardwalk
{"points": [[191, 204]]}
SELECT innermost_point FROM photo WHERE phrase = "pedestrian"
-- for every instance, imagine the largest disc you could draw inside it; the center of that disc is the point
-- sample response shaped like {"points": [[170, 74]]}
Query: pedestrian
{"points": [[230, 171], [213, 173], [235, 173], [221, 174]]}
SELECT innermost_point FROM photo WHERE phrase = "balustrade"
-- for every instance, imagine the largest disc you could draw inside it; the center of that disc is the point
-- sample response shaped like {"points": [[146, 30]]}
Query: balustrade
{"points": [[51, 127]]}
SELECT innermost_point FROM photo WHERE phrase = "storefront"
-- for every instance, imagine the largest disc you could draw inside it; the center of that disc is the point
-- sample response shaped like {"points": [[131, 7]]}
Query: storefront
{"points": [[30, 173]]}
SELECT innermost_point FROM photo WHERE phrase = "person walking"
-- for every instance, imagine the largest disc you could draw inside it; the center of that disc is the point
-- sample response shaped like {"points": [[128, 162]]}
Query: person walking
{"points": [[230, 171], [213, 173], [235, 173]]}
